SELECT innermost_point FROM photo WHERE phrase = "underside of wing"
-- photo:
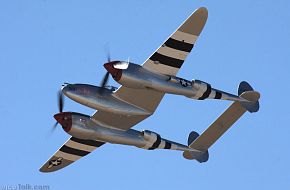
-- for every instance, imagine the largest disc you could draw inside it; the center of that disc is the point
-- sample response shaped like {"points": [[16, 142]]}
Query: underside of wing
{"points": [[168, 59], [143, 98], [123, 122], [170, 56], [71, 151]]}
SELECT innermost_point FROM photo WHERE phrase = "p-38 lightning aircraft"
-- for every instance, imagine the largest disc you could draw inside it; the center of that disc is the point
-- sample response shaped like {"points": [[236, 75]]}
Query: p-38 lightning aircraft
{"points": [[142, 88]]}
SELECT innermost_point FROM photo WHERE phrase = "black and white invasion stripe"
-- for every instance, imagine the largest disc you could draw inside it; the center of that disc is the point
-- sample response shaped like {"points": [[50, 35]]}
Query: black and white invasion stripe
{"points": [[76, 148], [170, 56], [172, 53], [211, 93], [156, 142], [204, 91], [163, 144]]}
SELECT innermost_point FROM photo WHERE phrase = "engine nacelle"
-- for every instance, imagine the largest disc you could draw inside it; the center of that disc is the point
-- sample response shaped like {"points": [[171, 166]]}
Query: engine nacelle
{"points": [[150, 136], [75, 124], [199, 85]]}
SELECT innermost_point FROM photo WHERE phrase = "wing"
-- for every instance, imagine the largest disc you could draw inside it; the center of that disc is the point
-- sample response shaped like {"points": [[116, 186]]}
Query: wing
{"points": [[143, 98], [170, 56], [166, 60], [71, 151]]}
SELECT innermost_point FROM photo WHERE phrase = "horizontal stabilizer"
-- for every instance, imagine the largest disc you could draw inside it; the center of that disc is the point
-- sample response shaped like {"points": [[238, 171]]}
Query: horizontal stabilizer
{"points": [[201, 143], [219, 127]]}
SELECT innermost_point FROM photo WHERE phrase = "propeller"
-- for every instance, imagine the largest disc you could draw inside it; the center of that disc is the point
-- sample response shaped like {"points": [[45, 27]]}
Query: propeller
{"points": [[105, 79], [121, 65], [60, 101]]}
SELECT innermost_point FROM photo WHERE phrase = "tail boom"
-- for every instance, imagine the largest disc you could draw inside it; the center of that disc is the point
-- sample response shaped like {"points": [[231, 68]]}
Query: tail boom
{"points": [[203, 142]]}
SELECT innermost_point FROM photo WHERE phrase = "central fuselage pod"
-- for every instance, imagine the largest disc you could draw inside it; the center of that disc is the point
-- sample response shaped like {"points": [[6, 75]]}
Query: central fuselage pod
{"points": [[83, 127], [135, 76], [100, 99]]}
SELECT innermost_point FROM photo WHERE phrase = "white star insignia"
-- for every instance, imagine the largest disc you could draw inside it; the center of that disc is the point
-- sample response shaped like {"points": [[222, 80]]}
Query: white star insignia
{"points": [[54, 162], [183, 82]]}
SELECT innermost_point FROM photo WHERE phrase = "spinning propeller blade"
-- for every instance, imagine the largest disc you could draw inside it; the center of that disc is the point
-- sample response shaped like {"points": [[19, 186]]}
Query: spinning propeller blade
{"points": [[60, 101], [105, 79], [108, 56], [54, 126]]}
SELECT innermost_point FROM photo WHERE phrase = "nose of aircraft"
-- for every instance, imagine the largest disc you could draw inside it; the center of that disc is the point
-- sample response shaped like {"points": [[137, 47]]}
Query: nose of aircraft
{"points": [[66, 88], [116, 73], [65, 120]]}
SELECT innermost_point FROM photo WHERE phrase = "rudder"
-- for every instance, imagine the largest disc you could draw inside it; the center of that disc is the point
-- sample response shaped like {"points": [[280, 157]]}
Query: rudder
{"points": [[191, 137], [200, 156], [247, 92]]}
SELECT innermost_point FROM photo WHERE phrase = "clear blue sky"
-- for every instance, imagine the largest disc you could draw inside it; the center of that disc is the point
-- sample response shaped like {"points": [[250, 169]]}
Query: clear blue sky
{"points": [[44, 43]]}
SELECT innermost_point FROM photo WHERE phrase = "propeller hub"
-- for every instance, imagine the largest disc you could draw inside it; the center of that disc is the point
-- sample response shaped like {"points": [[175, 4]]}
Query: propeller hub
{"points": [[65, 119], [116, 73]]}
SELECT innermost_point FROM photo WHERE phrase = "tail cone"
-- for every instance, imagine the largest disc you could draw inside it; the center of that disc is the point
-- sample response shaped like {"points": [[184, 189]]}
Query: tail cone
{"points": [[247, 92]]}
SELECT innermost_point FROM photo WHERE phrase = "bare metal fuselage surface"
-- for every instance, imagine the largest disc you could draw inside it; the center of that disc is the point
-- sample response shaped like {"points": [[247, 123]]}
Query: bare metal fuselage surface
{"points": [[137, 77], [101, 99]]}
